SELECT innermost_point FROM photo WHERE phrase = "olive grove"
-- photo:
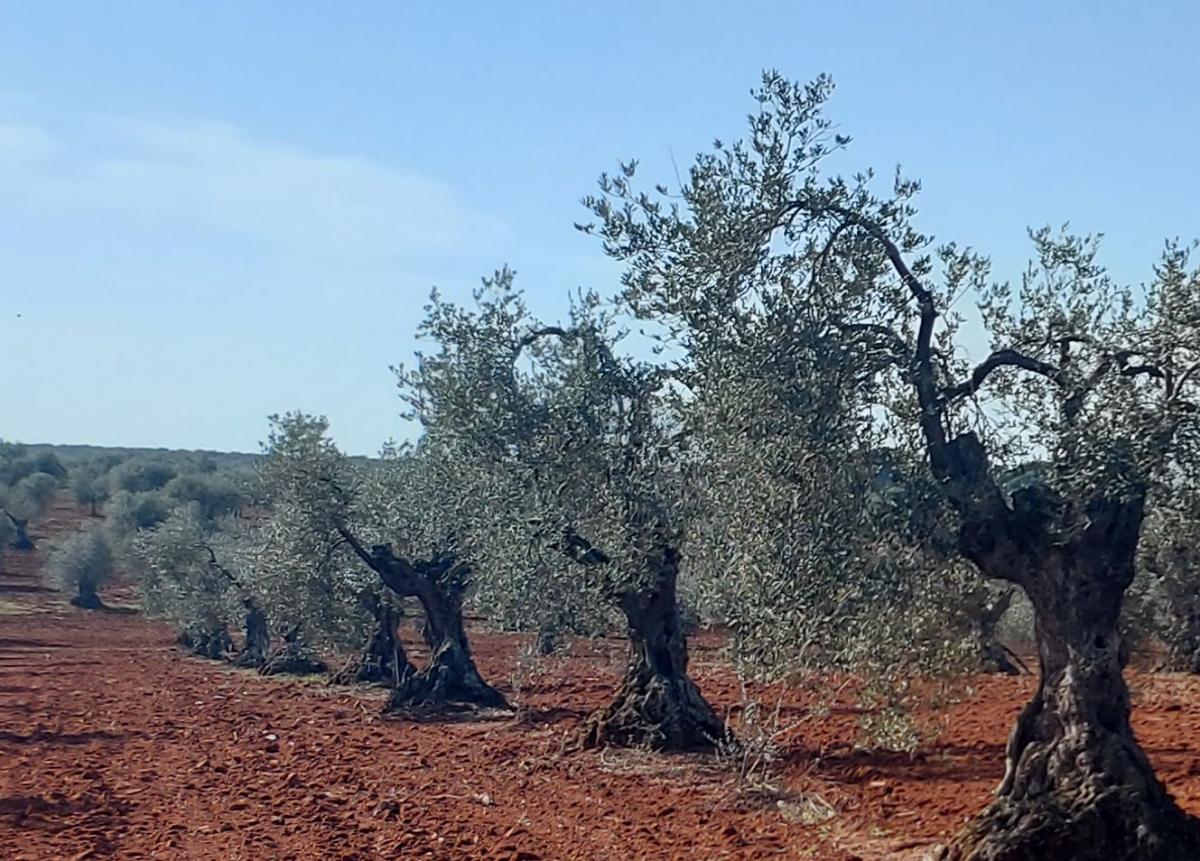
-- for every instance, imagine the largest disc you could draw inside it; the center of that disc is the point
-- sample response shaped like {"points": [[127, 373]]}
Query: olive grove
{"points": [[795, 439], [1098, 380], [593, 502]]}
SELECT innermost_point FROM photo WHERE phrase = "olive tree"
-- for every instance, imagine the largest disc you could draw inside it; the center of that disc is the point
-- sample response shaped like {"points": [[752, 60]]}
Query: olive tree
{"points": [[17, 461], [8, 534], [90, 487], [198, 574], [592, 458], [126, 513], [400, 518], [216, 494], [81, 563], [25, 501], [1096, 379], [1169, 579], [141, 475]]}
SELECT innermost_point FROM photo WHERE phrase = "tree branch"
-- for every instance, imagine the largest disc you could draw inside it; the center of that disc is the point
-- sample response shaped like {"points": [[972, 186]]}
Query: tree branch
{"points": [[365, 555], [1191, 371], [543, 332], [922, 357], [997, 360], [219, 568], [579, 549]]}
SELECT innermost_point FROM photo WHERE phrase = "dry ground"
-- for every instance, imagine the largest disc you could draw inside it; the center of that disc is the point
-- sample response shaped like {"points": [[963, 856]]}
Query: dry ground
{"points": [[115, 745]]}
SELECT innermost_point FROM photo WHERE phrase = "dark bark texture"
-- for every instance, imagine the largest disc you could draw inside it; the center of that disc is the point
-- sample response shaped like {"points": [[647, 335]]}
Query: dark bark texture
{"points": [[993, 657], [293, 658], [383, 659], [88, 598], [1077, 785], [257, 647], [450, 678], [213, 643], [657, 705], [22, 541]]}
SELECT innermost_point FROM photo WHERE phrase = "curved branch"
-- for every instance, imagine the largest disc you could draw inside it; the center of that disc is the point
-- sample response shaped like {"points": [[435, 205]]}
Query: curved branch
{"points": [[543, 332], [1188, 373], [922, 357], [578, 549], [997, 360], [219, 568]]}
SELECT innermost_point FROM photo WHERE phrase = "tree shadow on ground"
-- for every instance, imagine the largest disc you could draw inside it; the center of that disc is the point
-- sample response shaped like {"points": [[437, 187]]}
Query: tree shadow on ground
{"points": [[105, 818], [447, 713], [952, 763], [549, 715]]}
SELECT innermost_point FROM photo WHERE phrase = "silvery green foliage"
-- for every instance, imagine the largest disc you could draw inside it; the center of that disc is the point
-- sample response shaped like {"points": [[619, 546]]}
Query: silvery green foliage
{"points": [[217, 494], [1115, 391], [305, 576], [80, 562], [141, 474], [1164, 602], [784, 364], [561, 436], [89, 485], [17, 462], [30, 496], [126, 513], [192, 570], [813, 317]]}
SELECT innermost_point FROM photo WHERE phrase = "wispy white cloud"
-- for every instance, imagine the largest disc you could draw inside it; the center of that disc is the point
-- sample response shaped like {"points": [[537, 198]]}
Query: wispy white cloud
{"points": [[215, 177], [23, 143]]}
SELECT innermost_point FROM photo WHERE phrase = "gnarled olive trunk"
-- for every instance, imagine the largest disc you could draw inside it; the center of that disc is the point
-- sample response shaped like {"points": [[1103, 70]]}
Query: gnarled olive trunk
{"points": [[657, 704], [992, 656], [293, 658], [257, 648], [88, 598], [1077, 784], [211, 641], [22, 541], [450, 675], [383, 659]]}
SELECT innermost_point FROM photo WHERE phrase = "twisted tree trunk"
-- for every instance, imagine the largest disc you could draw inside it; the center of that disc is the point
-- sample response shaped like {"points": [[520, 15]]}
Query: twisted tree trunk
{"points": [[657, 704], [292, 658], [450, 677], [383, 659], [1077, 785], [257, 648], [88, 598], [993, 657], [22, 541], [210, 642]]}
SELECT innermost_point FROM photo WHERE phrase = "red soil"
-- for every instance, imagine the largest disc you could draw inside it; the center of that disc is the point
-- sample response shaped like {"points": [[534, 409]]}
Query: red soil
{"points": [[115, 745]]}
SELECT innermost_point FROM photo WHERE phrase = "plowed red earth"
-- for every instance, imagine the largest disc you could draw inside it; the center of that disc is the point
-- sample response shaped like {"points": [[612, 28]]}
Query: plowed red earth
{"points": [[115, 745]]}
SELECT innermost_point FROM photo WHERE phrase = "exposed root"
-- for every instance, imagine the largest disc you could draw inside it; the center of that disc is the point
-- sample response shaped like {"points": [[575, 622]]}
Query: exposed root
{"points": [[446, 683], [214, 645], [655, 712], [293, 661]]}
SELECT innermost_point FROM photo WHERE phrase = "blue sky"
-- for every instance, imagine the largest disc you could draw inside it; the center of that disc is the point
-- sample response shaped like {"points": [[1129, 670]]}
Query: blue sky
{"points": [[211, 211]]}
